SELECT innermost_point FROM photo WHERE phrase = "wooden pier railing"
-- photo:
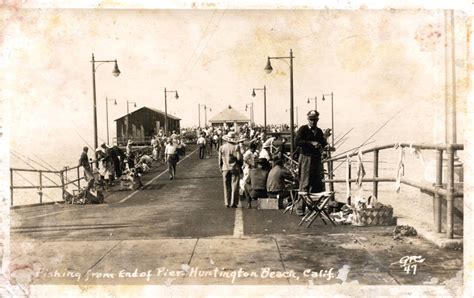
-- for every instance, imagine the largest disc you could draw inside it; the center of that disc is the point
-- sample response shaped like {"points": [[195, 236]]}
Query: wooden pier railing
{"points": [[438, 190], [62, 179]]}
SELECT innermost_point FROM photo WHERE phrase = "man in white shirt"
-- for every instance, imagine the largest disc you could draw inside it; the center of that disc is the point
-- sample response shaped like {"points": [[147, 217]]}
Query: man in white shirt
{"points": [[201, 142], [230, 159], [264, 153], [170, 156]]}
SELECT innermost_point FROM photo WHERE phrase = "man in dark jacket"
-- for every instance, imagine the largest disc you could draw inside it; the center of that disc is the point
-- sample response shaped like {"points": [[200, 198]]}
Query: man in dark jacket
{"points": [[310, 142], [256, 183], [277, 180]]}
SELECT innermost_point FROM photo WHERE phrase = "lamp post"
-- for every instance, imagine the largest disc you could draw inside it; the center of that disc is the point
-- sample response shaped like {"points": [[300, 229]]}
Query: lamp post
{"points": [[315, 102], [166, 109], [199, 115], [268, 69], [128, 120], [330, 164], [205, 114], [264, 103], [296, 109], [116, 73], [251, 111], [332, 116], [107, 114]]}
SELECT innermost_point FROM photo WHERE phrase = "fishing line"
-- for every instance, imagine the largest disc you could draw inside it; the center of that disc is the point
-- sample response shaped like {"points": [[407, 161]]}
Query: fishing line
{"points": [[365, 142]]}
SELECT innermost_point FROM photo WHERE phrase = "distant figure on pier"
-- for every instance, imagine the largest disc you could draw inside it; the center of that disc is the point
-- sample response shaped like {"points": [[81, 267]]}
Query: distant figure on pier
{"points": [[117, 157], [105, 163], [208, 146], [310, 142], [84, 162], [155, 146], [170, 156], [129, 155], [201, 142]]}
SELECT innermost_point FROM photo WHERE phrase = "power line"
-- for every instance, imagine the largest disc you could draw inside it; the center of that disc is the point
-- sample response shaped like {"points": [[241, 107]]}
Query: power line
{"points": [[196, 48]]}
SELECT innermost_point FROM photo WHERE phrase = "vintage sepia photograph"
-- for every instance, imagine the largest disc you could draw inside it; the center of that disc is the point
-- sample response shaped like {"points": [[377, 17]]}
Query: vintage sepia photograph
{"points": [[217, 149]]}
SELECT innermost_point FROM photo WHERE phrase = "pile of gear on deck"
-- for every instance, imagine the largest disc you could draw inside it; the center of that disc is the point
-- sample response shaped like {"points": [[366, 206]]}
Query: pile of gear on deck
{"points": [[363, 212]]}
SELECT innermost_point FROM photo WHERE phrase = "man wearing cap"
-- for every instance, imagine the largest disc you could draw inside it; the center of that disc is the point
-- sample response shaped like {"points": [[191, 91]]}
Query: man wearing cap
{"points": [[84, 162], [230, 161], [310, 142]]}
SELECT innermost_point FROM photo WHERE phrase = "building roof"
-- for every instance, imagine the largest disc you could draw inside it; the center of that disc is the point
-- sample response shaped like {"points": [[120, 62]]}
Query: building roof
{"points": [[153, 110], [229, 114]]}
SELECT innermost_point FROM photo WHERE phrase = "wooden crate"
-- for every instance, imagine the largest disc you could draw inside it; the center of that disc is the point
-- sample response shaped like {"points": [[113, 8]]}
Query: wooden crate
{"points": [[267, 203]]}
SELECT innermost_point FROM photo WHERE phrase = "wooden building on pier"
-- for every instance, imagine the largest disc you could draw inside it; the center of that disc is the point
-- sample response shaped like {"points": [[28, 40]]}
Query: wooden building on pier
{"points": [[140, 125]]}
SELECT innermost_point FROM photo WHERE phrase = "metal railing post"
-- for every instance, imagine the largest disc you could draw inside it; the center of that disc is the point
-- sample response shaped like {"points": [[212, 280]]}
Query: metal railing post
{"points": [[11, 187], [350, 177], [437, 197], [331, 176], [78, 179], [61, 175], [41, 187], [376, 174], [450, 196]]}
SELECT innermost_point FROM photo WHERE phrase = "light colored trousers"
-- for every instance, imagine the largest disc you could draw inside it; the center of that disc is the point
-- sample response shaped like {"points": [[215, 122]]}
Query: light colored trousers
{"points": [[231, 188]]}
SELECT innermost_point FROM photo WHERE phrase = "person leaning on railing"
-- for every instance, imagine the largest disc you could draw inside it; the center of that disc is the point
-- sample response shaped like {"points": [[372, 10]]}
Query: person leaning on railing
{"points": [[84, 162]]}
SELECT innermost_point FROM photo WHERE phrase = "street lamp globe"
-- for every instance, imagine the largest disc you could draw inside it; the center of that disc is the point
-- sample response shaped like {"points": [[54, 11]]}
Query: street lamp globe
{"points": [[253, 93], [116, 71], [177, 96], [115, 102], [268, 67]]}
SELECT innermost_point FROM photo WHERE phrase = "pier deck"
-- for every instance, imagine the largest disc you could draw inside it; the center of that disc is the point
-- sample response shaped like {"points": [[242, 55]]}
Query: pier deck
{"points": [[178, 232]]}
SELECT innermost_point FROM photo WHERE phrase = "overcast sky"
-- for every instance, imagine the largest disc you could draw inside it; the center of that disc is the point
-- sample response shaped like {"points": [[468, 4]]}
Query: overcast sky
{"points": [[376, 63]]}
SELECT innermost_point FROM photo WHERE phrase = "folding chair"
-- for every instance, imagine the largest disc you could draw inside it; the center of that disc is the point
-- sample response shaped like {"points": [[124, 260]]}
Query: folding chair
{"points": [[316, 204], [294, 202]]}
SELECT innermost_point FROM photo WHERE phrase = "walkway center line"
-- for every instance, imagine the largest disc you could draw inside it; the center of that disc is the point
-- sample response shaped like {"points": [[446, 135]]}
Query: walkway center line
{"points": [[47, 214], [238, 223], [149, 182]]}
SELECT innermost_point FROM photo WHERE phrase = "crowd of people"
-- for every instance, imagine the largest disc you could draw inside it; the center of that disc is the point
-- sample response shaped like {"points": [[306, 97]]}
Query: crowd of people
{"points": [[115, 163], [256, 170], [252, 168], [252, 163]]}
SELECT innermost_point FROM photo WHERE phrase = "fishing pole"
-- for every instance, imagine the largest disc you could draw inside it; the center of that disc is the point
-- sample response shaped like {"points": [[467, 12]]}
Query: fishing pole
{"points": [[339, 139], [19, 157], [353, 148], [365, 142], [339, 145], [45, 162], [76, 131]]}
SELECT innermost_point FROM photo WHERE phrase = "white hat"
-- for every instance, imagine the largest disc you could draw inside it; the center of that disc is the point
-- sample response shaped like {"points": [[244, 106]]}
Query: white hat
{"points": [[230, 137]]}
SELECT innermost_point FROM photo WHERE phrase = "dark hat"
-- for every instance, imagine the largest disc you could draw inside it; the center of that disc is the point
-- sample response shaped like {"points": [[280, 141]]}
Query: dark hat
{"points": [[313, 115]]}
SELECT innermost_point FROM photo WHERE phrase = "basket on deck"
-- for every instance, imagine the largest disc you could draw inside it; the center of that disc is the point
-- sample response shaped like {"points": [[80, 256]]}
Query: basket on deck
{"points": [[382, 216]]}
